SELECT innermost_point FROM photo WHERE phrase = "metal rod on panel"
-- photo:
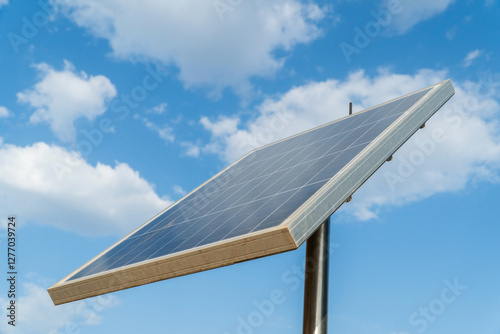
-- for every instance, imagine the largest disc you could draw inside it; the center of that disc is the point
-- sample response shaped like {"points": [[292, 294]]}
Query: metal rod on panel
{"points": [[316, 282], [350, 108]]}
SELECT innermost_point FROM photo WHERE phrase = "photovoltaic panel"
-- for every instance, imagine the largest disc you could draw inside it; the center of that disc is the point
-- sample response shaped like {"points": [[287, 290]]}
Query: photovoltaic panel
{"points": [[269, 201]]}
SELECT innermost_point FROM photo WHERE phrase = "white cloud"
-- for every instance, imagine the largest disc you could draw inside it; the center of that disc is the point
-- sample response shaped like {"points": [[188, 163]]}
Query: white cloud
{"points": [[471, 56], [220, 130], [451, 165], [4, 112], [222, 126], [179, 191], [165, 132], [159, 109], [4, 2], [192, 150], [61, 97], [37, 313], [53, 186], [190, 35], [412, 12]]}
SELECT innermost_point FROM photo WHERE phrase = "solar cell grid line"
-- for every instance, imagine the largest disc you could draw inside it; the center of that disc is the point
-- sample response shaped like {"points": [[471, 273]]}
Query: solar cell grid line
{"points": [[302, 148], [280, 190], [302, 171], [274, 208], [280, 205], [389, 109], [215, 191], [267, 202], [176, 211], [303, 151], [245, 191], [269, 208], [273, 166], [189, 201], [237, 192], [267, 171], [282, 176], [262, 202]]}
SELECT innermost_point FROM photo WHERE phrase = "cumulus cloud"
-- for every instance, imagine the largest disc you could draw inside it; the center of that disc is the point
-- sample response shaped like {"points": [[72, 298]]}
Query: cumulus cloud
{"points": [[191, 149], [471, 56], [220, 129], [222, 126], [410, 12], [62, 97], [209, 48], [4, 112], [39, 315], [53, 186], [448, 165], [179, 191], [165, 132], [159, 109]]}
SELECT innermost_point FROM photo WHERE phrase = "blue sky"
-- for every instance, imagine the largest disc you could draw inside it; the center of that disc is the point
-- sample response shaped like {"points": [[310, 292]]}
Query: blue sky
{"points": [[111, 110]]}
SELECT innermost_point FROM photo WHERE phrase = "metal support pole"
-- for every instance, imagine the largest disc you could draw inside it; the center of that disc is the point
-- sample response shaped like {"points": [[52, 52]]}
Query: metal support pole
{"points": [[316, 283]]}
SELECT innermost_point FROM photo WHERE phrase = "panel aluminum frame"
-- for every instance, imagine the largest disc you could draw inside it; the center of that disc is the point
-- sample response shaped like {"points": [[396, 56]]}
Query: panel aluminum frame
{"points": [[289, 235]]}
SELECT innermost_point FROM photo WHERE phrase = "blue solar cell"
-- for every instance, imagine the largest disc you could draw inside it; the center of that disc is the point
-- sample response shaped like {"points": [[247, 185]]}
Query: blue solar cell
{"points": [[258, 192]]}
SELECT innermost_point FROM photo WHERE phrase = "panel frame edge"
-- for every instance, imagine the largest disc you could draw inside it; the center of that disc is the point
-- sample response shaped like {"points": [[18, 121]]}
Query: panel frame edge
{"points": [[220, 254], [334, 193]]}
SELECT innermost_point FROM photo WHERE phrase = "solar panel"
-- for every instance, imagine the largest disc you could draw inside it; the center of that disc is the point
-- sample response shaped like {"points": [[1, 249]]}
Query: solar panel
{"points": [[269, 201]]}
